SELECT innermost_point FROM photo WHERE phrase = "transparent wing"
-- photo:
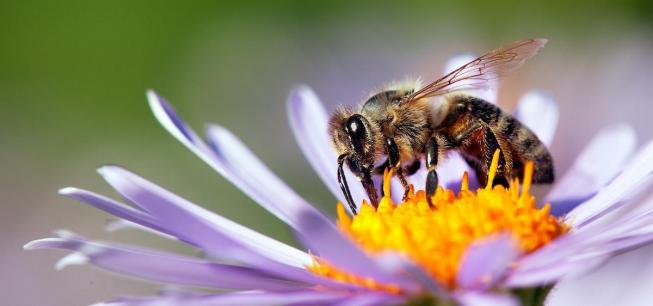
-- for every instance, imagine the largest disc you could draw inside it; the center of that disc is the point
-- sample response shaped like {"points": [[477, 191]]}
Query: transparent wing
{"points": [[477, 73]]}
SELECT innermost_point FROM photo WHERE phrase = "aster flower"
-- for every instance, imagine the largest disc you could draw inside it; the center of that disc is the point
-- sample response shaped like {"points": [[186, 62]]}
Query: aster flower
{"points": [[478, 246]]}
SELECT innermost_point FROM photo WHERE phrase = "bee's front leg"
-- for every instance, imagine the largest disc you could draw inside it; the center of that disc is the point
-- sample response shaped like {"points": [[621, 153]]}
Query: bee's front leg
{"points": [[394, 162]]}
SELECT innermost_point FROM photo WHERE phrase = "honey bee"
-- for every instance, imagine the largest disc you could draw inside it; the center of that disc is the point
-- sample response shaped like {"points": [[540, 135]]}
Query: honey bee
{"points": [[407, 124]]}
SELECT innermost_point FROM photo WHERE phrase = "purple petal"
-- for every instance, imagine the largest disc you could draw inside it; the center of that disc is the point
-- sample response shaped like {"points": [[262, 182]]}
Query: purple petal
{"points": [[635, 176], [234, 245], [599, 162], [161, 267], [117, 209], [552, 273], [309, 123], [244, 166], [232, 159], [323, 239], [451, 171], [540, 113], [488, 94], [584, 249], [215, 157], [252, 298], [486, 262], [209, 229], [472, 298]]}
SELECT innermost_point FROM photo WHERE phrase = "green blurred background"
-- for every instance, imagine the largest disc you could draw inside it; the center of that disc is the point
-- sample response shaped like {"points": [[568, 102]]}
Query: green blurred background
{"points": [[73, 76]]}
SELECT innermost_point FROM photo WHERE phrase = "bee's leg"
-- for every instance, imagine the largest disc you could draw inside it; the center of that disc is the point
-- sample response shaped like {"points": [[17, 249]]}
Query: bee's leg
{"points": [[368, 184], [343, 184], [491, 144], [395, 163], [431, 163]]}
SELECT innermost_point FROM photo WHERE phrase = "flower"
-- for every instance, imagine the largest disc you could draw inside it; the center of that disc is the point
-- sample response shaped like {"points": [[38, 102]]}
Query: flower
{"points": [[507, 247]]}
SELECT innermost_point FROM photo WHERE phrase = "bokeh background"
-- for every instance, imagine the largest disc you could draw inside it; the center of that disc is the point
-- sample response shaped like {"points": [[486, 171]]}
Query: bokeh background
{"points": [[73, 76]]}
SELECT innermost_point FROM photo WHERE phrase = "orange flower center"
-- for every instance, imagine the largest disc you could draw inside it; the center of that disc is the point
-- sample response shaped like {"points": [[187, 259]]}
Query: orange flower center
{"points": [[437, 237]]}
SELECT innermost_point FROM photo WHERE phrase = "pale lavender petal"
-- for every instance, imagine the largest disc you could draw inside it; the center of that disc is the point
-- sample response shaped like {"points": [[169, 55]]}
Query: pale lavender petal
{"points": [[123, 224], [233, 246], [473, 298], [554, 272], [489, 93], [583, 249], [540, 113], [599, 163], [486, 262], [252, 298], [244, 166], [213, 156], [161, 267], [118, 209], [309, 123], [210, 231], [636, 175]]}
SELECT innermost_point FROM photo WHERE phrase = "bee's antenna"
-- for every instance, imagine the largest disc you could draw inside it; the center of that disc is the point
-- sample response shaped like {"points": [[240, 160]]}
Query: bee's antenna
{"points": [[343, 183]]}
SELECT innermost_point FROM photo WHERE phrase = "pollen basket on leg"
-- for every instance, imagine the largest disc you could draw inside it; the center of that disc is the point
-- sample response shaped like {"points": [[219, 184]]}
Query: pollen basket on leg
{"points": [[437, 237]]}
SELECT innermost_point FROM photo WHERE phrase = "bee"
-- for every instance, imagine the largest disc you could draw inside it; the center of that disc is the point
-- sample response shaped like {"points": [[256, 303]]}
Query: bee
{"points": [[406, 124]]}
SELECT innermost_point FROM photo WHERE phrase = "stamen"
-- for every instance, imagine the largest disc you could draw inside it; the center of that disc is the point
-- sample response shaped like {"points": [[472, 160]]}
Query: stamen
{"points": [[464, 183], [493, 169]]}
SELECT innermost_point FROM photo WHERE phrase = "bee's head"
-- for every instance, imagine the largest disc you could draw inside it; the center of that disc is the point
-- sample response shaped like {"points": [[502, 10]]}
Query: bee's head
{"points": [[356, 141], [353, 135]]}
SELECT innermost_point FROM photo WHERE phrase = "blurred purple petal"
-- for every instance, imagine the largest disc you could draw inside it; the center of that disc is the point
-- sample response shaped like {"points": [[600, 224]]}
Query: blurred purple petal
{"points": [[162, 267], [599, 162], [251, 298], [635, 176], [486, 261], [309, 122], [371, 299], [451, 170], [540, 113], [472, 298]]}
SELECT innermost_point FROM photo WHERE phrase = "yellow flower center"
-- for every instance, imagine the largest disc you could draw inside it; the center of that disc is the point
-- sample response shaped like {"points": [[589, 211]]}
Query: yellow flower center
{"points": [[437, 237]]}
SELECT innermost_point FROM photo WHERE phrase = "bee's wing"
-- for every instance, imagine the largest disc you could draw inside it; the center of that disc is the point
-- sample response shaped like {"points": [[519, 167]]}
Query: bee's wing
{"points": [[477, 73]]}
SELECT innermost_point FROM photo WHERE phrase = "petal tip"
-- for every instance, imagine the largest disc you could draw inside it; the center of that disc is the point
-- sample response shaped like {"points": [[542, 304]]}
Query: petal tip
{"points": [[36, 244], [71, 259], [67, 191]]}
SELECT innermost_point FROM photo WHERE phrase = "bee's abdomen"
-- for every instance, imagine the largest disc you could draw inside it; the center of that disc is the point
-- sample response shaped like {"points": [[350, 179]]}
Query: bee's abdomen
{"points": [[486, 111], [526, 146]]}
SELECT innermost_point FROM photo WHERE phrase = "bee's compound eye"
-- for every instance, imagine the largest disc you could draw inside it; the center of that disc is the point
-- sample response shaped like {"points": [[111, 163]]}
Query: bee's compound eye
{"points": [[356, 131], [355, 127]]}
